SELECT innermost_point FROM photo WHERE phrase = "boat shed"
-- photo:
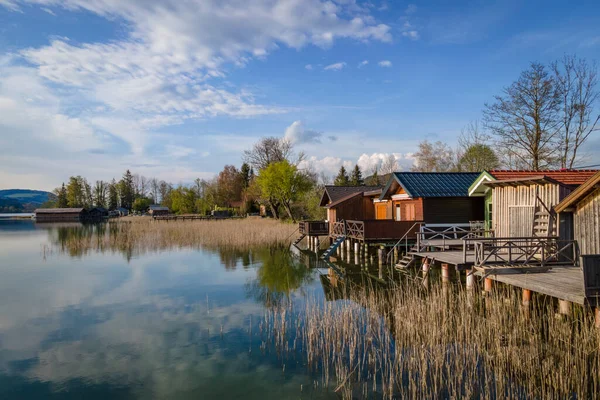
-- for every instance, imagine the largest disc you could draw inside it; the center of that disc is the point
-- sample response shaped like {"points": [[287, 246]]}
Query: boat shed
{"points": [[156, 210], [349, 202], [60, 214]]}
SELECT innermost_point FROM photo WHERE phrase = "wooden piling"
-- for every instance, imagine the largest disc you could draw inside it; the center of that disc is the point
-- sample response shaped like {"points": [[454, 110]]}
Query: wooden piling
{"points": [[597, 316], [380, 256], [445, 273]]}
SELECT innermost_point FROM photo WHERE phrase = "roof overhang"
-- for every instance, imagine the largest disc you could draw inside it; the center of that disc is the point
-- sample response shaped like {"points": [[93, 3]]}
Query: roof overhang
{"points": [[529, 181], [392, 186], [343, 199], [578, 194], [478, 188]]}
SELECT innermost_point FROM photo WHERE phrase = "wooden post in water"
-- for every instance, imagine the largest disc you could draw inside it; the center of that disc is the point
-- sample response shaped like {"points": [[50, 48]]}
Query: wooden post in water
{"points": [[395, 255], [597, 316], [380, 256], [526, 298], [425, 272], [564, 307]]}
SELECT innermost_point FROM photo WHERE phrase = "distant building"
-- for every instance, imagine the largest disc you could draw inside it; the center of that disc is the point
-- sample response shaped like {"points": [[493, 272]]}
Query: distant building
{"points": [[60, 214], [156, 210], [97, 213], [123, 212]]}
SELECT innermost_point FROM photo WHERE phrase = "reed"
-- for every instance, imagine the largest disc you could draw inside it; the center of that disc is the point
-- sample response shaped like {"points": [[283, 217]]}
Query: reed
{"points": [[441, 343], [141, 235]]}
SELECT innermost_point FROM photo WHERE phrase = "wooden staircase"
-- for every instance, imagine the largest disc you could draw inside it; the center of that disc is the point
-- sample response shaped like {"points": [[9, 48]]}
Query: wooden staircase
{"points": [[297, 241], [544, 220], [406, 262], [331, 249]]}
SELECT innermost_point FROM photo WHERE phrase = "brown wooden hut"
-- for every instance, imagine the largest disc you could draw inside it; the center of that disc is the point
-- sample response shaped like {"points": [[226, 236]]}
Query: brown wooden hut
{"points": [[60, 214], [156, 210], [579, 215], [349, 202], [432, 197]]}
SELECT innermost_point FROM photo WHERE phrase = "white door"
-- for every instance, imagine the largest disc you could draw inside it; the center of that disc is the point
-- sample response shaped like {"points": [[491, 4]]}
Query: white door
{"points": [[398, 216]]}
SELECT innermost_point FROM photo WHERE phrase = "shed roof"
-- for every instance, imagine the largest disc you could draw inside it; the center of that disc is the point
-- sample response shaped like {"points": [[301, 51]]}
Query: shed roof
{"points": [[333, 194], [564, 176], [432, 184], [578, 194], [58, 210], [155, 207]]}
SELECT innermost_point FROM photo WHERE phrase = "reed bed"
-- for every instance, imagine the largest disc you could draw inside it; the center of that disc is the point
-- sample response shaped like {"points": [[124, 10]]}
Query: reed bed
{"points": [[443, 343], [140, 235]]}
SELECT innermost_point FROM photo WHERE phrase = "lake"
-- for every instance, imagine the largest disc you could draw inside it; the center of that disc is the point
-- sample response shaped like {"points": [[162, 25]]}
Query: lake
{"points": [[124, 325]]}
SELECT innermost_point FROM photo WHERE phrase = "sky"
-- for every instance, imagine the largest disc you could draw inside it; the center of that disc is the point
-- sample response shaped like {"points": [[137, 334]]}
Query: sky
{"points": [[177, 89]]}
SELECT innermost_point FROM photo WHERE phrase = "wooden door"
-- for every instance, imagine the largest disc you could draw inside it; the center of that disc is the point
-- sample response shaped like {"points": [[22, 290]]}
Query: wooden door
{"points": [[381, 211], [409, 212]]}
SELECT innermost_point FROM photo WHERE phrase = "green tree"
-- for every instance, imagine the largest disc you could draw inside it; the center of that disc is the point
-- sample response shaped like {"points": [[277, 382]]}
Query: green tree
{"points": [[61, 197], [126, 190], [100, 191], [283, 182], [183, 200], [75, 192], [113, 195], [245, 172], [342, 178], [141, 204], [356, 179], [478, 157]]}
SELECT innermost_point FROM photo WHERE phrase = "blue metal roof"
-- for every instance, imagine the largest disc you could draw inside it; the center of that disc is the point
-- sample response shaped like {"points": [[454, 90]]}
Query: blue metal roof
{"points": [[434, 184]]}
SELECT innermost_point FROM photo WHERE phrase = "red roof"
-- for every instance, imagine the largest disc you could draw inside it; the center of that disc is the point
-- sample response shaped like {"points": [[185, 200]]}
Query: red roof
{"points": [[564, 176]]}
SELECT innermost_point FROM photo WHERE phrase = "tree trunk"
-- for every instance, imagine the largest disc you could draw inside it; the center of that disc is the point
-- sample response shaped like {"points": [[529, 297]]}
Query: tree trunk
{"points": [[274, 210], [289, 211]]}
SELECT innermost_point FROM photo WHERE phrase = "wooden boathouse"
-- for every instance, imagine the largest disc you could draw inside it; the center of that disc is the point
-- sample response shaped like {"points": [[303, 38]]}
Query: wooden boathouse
{"points": [[60, 214]]}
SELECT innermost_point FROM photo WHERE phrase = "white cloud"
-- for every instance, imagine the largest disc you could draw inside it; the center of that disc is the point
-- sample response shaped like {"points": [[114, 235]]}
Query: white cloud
{"points": [[368, 162], [411, 9], [308, 67], [296, 133], [412, 35], [166, 70], [385, 63], [363, 63], [335, 67]]}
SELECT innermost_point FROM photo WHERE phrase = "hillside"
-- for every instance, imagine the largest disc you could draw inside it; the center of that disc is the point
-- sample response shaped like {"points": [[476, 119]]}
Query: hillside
{"points": [[23, 200]]}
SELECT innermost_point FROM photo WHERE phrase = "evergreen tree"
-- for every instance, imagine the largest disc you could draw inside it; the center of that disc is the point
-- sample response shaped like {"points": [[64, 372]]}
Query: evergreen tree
{"points": [[342, 178], [357, 179], [61, 197], [113, 195], [245, 172], [127, 190]]}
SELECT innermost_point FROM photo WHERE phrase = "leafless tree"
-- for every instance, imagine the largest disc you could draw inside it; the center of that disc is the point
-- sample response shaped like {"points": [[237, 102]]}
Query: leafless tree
{"points": [[474, 153], [434, 157], [154, 189], [577, 83], [524, 119], [389, 165]]}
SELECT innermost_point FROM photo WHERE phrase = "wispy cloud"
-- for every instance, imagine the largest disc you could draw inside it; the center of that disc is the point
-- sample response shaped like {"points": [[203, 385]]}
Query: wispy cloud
{"points": [[385, 63], [335, 67], [363, 63], [410, 9], [308, 67]]}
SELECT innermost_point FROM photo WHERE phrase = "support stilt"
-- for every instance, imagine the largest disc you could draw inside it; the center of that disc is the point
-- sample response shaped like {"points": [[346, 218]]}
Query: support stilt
{"points": [[470, 278], [597, 316], [564, 307], [526, 300], [487, 285], [445, 273]]}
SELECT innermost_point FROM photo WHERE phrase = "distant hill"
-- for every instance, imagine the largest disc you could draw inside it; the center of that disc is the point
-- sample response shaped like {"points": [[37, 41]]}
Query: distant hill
{"points": [[23, 200]]}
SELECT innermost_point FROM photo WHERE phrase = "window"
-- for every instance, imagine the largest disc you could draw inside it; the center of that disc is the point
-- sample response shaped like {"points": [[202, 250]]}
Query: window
{"points": [[398, 214]]}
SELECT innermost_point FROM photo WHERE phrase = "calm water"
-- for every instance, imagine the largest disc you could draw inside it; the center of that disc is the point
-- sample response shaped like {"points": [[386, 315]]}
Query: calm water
{"points": [[120, 324]]}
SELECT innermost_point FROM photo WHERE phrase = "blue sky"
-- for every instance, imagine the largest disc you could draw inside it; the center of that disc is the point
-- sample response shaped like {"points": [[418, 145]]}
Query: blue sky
{"points": [[176, 90]]}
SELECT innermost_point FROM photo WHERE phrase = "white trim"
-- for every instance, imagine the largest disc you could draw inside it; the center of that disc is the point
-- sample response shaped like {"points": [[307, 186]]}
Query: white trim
{"points": [[402, 196], [484, 177], [379, 201]]}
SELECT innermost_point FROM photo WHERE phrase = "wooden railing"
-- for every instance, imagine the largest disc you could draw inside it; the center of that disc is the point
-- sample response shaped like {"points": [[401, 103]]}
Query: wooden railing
{"points": [[339, 228], [522, 251], [449, 234], [383, 230], [404, 239], [313, 228]]}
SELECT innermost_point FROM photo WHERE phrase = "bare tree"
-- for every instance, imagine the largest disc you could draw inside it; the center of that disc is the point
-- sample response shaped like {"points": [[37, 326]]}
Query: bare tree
{"points": [[389, 165], [434, 157], [524, 119], [154, 189], [577, 83]]}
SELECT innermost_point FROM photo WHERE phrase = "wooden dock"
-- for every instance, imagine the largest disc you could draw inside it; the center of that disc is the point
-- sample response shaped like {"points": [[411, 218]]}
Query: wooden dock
{"points": [[191, 218], [565, 283]]}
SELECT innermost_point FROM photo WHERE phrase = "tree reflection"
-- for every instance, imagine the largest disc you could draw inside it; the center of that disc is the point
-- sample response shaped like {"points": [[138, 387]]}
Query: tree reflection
{"points": [[278, 275]]}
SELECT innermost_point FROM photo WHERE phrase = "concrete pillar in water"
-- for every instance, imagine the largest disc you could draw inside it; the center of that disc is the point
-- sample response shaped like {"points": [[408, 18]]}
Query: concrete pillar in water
{"points": [[470, 278], [564, 307], [487, 285], [526, 298], [445, 273]]}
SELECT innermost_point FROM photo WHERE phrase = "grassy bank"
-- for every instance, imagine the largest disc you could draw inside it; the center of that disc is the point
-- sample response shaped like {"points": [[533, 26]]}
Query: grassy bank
{"points": [[443, 343]]}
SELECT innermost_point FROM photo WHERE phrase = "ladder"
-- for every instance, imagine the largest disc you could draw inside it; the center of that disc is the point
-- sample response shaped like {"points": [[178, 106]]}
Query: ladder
{"points": [[543, 219], [331, 249], [406, 262], [297, 241]]}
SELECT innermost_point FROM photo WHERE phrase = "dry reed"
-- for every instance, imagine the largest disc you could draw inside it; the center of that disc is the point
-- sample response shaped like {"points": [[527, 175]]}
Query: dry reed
{"points": [[141, 234], [444, 343]]}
